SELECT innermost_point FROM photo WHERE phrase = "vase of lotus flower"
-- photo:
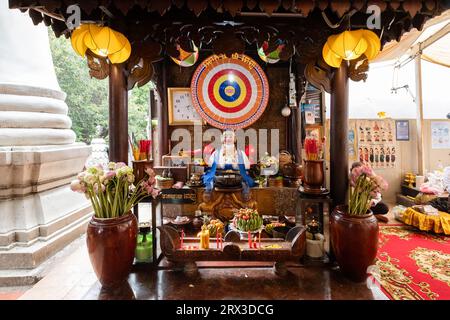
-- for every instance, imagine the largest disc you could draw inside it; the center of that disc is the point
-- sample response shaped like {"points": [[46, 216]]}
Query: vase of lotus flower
{"points": [[354, 240], [112, 244]]}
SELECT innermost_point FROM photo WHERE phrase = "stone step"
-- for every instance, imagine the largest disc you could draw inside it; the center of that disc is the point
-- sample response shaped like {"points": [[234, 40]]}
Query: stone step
{"points": [[28, 258], [28, 277], [25, 238]]}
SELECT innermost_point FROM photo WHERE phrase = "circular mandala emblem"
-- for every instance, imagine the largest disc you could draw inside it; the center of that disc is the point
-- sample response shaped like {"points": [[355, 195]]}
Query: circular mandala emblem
{"points": [[230, 93]]}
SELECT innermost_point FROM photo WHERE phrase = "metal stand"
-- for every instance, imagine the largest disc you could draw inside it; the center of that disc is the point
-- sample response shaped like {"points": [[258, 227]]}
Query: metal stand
{"points": [[155, 207], [322, 199]]}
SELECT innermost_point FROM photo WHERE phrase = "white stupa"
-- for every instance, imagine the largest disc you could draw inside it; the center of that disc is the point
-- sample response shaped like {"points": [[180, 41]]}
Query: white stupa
{"points": [[38, 153]]}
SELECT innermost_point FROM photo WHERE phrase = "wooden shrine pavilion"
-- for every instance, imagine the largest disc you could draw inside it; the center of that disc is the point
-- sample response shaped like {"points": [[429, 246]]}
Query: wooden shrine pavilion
{"points": [[158, 29]]}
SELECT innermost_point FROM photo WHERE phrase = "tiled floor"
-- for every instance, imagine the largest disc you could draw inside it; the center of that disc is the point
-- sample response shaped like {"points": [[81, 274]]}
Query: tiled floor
{"points": [[74, 278], [70, 279], [12, 293]]}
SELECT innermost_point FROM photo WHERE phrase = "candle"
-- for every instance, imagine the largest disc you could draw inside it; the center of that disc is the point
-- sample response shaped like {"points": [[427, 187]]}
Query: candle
{"points": [[182, 239], [204, 238], [249, 240], [259, 239], [217, 239]]}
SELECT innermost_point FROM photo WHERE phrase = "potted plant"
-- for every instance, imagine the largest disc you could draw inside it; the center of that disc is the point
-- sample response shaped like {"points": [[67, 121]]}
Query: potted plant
{"points": [[354, 228], [112, 232], [313, 173]]}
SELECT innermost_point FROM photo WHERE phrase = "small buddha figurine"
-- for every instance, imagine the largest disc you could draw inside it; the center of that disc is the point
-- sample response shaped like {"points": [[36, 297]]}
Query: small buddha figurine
{"points": [[228, 157], [247, 201], [208, 206]]}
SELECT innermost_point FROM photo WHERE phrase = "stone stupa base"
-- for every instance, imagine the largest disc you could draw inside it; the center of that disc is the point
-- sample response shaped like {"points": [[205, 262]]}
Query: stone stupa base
{"points": [[40, 214]]}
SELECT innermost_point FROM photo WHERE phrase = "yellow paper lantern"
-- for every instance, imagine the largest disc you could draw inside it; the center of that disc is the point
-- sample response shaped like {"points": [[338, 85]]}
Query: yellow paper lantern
{"points": [[373, 44], [330, 57], [350, 45], [77, 40], [102, 41]]}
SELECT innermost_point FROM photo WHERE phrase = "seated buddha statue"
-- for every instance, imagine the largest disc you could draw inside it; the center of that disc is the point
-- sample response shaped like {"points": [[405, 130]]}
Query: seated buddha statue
{"points": [[227, 158]]}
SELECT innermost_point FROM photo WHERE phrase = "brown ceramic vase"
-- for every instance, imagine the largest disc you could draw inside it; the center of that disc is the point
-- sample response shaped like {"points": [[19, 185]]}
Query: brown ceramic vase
{"points": [[313, 175], [354, 239], [111, 244]]}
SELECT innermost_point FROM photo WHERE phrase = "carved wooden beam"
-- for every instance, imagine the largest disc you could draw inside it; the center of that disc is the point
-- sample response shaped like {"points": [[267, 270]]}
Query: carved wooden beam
{"points": [[319, 74], [98, 66], [358, 68]]}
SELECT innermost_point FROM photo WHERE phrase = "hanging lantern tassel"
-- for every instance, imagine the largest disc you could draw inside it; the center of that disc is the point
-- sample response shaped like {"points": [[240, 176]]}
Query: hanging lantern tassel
{"points": [[102, 41], [350, 45]]}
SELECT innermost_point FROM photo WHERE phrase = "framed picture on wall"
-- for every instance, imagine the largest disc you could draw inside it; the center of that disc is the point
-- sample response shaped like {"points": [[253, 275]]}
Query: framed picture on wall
{"points": [[402, 130], [315, 131], [181, 109]]}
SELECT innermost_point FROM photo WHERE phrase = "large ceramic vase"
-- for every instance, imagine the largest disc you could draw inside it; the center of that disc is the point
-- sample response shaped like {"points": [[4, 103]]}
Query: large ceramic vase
{"points": [[112, 244], [313, 176], [354, 239]]}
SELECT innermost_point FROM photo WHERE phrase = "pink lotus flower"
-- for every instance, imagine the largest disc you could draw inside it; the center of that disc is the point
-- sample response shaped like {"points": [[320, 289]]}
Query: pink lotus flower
{"points": [[97, 189], [365, 187], [110, 174], [76, 186], [113, 192], [155, 193], [120, 165]]}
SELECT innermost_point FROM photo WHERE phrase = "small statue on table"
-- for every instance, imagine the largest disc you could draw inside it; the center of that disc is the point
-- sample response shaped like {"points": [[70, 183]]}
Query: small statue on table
{"points": [[228, 158]]}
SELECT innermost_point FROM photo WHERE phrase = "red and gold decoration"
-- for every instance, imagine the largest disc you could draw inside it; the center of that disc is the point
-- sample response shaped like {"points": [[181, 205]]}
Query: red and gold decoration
{"points": [[230, 93], [102, 41], [413, 265], [350, 45]]}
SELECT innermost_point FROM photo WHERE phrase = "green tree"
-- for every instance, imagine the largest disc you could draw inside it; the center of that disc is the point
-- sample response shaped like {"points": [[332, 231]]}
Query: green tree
{"points": [[138, 106], [87, 97]]}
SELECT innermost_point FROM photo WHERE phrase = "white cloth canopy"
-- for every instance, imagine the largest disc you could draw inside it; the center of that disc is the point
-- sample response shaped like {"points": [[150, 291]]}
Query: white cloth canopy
{"points": [[438, 52], [368, 98]]}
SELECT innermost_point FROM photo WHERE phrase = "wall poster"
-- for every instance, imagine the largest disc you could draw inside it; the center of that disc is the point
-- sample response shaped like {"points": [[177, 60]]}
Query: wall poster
{"points": [[377, 143], [402, 130], [352, 142], [440, 135]]}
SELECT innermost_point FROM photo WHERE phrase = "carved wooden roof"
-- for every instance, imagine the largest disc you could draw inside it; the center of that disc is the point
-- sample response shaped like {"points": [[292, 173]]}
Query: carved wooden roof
{"points": [[225, 26], [129, 11]]}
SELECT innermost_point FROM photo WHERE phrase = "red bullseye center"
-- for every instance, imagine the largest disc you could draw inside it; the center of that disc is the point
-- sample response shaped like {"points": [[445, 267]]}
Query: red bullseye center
{"points": [[234, 73]]}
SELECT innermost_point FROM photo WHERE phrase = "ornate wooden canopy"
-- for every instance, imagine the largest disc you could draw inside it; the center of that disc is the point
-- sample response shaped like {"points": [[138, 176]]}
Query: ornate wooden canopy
{"points": [[155, 28]]}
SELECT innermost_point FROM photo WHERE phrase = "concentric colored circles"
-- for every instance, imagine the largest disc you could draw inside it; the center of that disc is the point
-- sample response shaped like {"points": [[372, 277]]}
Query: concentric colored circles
{"points": [[229, 92]]}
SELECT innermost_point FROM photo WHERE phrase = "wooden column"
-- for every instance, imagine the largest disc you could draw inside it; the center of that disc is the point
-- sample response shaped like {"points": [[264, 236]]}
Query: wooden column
{"points": [[339, 135], [296, 115], [152, 115], [162, 143], [419, 121], [164, 114], [118, 114], [296, 134]]}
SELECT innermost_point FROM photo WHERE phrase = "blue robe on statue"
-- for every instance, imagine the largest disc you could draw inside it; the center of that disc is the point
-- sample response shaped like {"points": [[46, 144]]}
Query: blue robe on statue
{"points": [[208, 177]]}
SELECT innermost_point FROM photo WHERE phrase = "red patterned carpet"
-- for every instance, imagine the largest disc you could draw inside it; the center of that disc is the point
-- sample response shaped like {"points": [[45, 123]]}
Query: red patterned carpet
{"points": [[413, 265]]}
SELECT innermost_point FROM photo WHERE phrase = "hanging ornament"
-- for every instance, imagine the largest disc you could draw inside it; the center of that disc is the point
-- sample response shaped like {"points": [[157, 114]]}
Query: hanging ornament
{"points": [[102, 41], [286, 111], [271, 56], [350, 45], [185, 58]]}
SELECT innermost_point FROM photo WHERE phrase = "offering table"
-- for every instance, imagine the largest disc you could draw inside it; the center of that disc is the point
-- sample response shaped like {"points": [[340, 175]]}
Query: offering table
{"points": [[187, 251]]}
